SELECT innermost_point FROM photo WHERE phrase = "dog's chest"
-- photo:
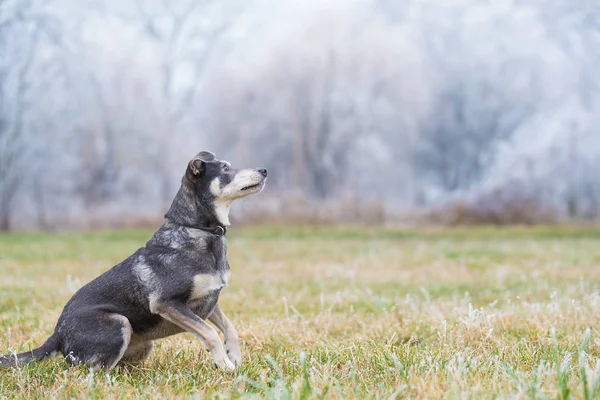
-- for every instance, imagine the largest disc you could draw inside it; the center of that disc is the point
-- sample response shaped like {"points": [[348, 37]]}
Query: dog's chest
{"points": [[207, 284]]}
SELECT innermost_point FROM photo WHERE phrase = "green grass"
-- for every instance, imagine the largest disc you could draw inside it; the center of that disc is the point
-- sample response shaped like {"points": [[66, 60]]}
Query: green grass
{"points": [[339, 312]]}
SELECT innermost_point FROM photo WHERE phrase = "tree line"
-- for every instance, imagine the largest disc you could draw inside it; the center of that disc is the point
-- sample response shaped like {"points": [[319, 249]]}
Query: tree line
{"points": [[409, 104]]}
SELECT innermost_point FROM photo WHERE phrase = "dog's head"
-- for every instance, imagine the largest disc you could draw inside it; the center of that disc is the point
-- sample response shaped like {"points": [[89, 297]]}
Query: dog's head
{"points": [[218, 183]]}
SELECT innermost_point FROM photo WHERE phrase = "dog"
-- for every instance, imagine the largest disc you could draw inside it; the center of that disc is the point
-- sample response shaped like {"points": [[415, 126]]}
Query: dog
{"points": [[171, 285]]}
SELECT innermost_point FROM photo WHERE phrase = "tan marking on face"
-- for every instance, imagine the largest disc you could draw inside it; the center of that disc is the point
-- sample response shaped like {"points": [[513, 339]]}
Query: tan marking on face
{"points": [[244, 178], [215, 187], [233, 190], [221, 205]]}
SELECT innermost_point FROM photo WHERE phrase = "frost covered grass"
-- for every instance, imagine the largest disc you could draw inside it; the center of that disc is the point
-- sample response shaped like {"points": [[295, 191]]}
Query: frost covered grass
{"points": [[340, 313]]}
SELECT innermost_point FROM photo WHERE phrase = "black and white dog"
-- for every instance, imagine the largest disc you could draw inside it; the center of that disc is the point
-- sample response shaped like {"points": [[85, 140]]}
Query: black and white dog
{"points": [[169, 286]]}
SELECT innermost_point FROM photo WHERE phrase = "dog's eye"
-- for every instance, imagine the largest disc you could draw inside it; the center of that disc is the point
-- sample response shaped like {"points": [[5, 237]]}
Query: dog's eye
{"points": [[225, 168]]}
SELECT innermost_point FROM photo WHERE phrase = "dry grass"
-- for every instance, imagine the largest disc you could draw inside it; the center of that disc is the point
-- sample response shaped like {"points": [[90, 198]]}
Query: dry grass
{"points": [[340, 312]]}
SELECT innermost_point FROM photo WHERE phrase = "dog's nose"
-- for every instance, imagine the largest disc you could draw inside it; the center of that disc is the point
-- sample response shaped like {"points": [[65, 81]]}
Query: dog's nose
{"points": [[262, 171]]}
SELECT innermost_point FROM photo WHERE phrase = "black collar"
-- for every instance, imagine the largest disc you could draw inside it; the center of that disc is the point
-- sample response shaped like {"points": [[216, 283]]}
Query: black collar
{"points": [[218, 230]]}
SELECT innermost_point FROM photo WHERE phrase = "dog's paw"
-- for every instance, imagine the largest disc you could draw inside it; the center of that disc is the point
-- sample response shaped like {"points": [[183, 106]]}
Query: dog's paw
{"points": [[234, 355], [225, 364]]}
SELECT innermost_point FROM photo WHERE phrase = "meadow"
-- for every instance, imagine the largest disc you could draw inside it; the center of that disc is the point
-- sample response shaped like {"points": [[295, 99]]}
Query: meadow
{"points": [[339, 312]]}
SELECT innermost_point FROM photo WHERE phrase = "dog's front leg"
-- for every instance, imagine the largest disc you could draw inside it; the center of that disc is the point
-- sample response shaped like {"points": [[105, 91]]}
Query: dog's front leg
{"points": [[232, 343], [180, 314]]}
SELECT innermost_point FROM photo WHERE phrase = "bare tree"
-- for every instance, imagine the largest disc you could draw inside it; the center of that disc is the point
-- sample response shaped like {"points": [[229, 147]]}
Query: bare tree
{"points": [[187, 35], [409, 103], [460, 140], [19, 35]]}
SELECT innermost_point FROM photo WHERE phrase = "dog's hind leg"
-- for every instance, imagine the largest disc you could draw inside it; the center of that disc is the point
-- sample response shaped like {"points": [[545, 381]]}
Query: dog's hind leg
{"points": [[232, 343], [97, 339], [137, 352]]}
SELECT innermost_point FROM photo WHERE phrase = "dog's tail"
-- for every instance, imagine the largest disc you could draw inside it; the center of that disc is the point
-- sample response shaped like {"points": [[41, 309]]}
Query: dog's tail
{"points": [[12, 360]]}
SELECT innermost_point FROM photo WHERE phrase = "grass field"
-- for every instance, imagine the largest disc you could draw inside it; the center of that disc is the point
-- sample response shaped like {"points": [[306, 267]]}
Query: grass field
{"points": [[340, 313]]}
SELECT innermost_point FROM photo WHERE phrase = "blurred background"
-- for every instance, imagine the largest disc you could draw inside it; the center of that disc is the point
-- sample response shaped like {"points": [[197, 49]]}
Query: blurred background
{"points": [[364, 111]]}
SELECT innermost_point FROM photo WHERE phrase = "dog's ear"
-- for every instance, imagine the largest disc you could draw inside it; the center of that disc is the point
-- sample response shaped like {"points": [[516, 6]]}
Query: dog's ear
{"points": [[196, 165], [205, 156]]}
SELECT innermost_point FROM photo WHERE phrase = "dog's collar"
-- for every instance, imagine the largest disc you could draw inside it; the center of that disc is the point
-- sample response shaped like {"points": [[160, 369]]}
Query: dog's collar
{"points": [[218, 230]]}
